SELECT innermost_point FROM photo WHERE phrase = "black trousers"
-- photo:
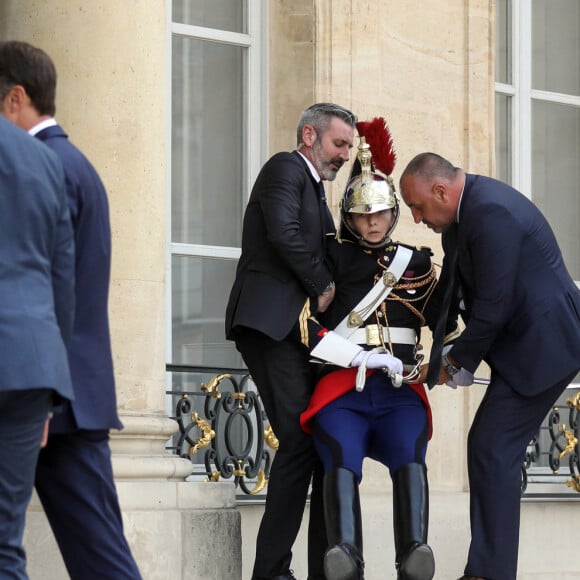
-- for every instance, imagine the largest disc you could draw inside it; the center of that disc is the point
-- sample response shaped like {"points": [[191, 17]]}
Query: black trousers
{"points": [[503, 426], [285, 382]]}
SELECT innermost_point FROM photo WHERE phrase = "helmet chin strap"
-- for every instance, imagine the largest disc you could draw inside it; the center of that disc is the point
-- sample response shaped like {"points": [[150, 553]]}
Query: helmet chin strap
{"points": [[374, 245]]}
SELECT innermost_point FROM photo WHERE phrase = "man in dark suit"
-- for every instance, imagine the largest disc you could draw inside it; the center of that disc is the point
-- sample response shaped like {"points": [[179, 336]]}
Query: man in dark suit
{"points": [[36, 321], [522, 314], [74, 478], [282, 278]]}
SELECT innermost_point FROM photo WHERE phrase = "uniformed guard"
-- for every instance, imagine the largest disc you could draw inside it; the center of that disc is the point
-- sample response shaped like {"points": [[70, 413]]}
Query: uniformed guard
{"points": [[358, 411]]}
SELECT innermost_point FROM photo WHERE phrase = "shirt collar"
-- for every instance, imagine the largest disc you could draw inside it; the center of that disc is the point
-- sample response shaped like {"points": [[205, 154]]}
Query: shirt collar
{"points": [[311, 167], [41, 126], [461, 198]]}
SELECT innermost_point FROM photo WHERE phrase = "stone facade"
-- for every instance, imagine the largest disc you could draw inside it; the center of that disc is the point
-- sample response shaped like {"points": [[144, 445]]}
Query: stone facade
{"points": [[425, 66]]}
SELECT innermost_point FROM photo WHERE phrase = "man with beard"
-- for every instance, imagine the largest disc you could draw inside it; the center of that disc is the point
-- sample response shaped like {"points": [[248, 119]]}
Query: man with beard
{"points": [[281, 280]]}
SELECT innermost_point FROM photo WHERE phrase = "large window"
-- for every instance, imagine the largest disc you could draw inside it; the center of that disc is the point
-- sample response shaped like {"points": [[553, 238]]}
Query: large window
{"points": [[217, 147], [538, 111]]}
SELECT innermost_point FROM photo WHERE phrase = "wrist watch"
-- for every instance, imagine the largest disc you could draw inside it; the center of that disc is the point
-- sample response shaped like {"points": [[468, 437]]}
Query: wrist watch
{"points": [[449, 367]]}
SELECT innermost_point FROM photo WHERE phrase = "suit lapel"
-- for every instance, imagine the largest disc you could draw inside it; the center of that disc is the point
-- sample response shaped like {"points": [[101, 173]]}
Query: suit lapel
{"points": [[323, 210]]}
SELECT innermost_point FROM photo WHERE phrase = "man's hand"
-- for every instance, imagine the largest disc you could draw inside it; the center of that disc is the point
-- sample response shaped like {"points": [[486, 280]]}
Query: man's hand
{"points": [[422, 378], [461, 379], [44, 439], [325, 299]]}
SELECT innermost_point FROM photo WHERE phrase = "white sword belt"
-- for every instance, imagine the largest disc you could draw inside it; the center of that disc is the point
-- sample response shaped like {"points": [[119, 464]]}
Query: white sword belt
{"points": [[371, 335]]}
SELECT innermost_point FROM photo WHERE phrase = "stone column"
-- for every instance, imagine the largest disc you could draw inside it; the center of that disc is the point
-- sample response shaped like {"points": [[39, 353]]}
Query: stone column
{"points": [[112, 99]]}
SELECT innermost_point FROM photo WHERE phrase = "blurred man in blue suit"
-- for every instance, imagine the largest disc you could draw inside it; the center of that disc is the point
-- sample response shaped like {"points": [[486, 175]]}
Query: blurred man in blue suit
{"points": [[74, 478], [36, 320], [521, 310]]}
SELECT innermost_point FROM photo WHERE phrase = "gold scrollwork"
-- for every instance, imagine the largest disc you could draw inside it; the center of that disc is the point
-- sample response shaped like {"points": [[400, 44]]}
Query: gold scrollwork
{"points": [[574, 401], [270, 438], [260, 484], [213, 386], [207, 433], [571, 441], [574, 483], [215, 476]]}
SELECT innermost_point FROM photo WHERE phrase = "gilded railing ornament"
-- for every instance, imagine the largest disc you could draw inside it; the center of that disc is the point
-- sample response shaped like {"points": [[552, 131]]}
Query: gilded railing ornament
{"points": [[207, 433], [574, 483], [270, 438], [563, 443], [261, 483], [574, 401], [230, 420], [213, 386], [571, 441]]}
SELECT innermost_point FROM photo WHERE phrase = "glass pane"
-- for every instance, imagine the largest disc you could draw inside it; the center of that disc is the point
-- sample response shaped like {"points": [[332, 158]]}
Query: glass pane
{"points": [[200, 290], [503, 41], [221, 14], [556, 174], [556, 46], [503, 137], [207, 144]]}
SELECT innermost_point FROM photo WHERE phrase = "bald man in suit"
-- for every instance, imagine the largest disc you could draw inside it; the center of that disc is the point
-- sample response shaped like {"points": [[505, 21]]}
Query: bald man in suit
{"points": [[522, 316]]}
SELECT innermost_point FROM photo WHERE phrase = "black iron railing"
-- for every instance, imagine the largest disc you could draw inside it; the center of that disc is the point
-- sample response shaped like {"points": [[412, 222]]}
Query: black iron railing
{"points": [[224, 432], [222, 427], [553, 455]]}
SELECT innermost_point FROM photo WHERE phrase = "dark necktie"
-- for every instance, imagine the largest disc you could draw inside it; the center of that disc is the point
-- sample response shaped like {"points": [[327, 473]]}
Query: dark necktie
{"points": [[440, 326], [328, 222]]}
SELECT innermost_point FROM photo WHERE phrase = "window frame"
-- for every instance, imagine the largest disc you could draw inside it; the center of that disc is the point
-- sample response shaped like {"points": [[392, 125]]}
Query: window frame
{"points": [[256, 114]]}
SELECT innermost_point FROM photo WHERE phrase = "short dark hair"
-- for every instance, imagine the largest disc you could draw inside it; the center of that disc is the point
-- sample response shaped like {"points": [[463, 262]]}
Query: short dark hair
{"points": [[28, 66], [428, 166], [319, 116]]}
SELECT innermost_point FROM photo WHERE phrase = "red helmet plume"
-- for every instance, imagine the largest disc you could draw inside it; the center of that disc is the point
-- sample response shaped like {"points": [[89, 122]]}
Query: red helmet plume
{"points": [[377, 135]]}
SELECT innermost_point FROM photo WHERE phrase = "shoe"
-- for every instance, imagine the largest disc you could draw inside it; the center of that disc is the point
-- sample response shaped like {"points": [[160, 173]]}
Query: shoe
{"points": [[418, 563], [343, 562]]}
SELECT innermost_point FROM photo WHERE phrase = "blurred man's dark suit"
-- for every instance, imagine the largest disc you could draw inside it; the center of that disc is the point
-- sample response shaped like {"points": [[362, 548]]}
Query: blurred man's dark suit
{"points": [[74, 477], [36, 320]]}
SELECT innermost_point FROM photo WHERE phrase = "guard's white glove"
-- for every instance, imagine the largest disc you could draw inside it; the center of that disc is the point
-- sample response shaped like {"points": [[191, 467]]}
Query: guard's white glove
{"points": [[376, 360]]}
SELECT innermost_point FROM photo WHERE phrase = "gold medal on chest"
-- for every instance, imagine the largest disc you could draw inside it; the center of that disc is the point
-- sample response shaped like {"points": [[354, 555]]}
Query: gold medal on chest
{"points": [[354, 319], [389, 279]]}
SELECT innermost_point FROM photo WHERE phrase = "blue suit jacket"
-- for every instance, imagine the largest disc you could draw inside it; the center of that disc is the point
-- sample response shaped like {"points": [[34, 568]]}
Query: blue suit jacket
{"points": [[522, 308], [36, 266], [90, 359]]}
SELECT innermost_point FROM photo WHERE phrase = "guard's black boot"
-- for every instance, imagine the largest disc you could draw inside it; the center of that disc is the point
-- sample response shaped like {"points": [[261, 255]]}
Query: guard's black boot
{"points": [[414, 558], [343, 560]]}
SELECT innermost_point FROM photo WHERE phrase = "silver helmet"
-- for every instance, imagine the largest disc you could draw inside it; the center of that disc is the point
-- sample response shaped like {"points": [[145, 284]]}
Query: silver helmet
{"points": [[368, 191]]}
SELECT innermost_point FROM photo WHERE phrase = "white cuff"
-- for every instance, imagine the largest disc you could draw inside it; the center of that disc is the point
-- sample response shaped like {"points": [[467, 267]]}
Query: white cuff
{"points": [[336, 349]]}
